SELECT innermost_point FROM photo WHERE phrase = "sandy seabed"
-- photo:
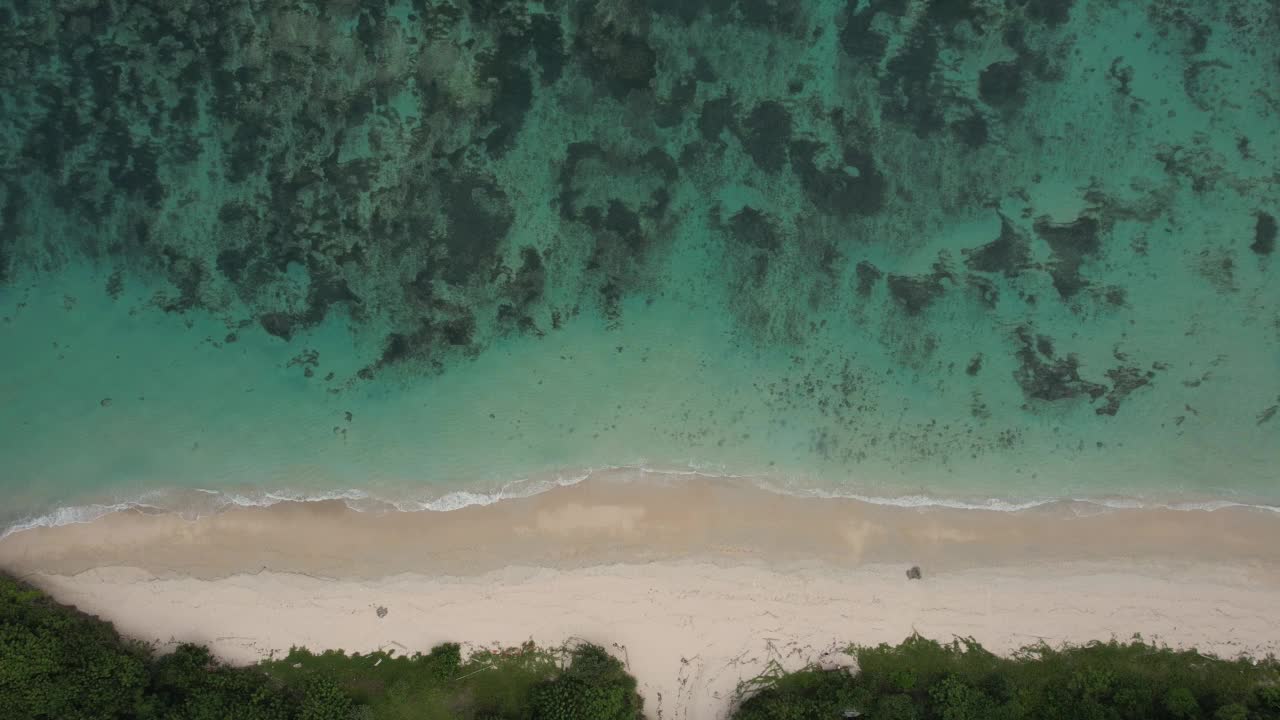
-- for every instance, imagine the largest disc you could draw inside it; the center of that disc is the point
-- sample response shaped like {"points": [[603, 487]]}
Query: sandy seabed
{"points": [[696, 585]]}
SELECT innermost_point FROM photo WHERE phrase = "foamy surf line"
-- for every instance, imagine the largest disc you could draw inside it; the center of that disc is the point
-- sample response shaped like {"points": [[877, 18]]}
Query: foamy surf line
{"points": [[362, 501]]}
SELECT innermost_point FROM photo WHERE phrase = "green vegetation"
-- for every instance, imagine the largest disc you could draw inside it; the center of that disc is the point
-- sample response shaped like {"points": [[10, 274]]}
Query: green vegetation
{"points": [[59, 664], [925, 680]]}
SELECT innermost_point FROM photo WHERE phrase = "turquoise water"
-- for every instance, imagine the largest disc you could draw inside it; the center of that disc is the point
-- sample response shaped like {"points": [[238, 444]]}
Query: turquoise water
{"points": [[970, 252]]}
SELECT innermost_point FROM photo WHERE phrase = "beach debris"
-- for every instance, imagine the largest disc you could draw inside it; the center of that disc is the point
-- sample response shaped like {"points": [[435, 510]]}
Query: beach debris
{"points": [[914, 573], [382, 612]]}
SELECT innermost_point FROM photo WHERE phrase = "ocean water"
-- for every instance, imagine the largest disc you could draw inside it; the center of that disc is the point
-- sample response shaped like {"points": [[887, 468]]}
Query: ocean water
{"points": [[424, 254]]}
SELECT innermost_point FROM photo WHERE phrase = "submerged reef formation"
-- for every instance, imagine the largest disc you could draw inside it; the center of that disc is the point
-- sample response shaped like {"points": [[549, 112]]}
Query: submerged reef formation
{"points": [[918, 182]]}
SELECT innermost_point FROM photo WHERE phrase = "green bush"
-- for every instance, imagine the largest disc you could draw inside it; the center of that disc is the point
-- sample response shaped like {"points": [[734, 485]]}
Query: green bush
{"points": [[58, 663], [922, 679], [595, 686]]}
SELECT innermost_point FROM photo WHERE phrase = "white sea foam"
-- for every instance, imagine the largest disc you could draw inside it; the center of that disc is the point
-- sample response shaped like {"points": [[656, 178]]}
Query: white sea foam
{"points": [[363, 501]]}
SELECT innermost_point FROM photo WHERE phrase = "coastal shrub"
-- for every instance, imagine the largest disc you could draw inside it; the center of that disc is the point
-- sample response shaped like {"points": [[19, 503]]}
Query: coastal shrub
{"points": [[58, 663], [810, 693], [921, 679], [190, 684], [595, 686]]}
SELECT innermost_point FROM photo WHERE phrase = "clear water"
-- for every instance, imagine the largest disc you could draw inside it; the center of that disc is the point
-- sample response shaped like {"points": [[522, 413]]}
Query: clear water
{"points": [[967, 251]]}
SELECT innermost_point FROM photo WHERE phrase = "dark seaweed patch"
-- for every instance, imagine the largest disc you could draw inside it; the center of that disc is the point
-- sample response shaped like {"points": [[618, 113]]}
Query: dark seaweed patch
{"points": [[947, 13], [1264, 234], [716, 117], [1124, 380], [14, 199], [530, 279], [909, 89], [858, 187], [987, 291], [868, 276], [972, 130], [547, 38], [622, 61], [857, 38], [916, 292], [513, 95], [624, 223], [1000, 85], [777, 15], [766, 134], [1046, 377], [975, 365], [1050, 12], [459, 331], [1071, 244], [278, 324], [478, 216], [1009, 253], [753, 228], [577, 153]]}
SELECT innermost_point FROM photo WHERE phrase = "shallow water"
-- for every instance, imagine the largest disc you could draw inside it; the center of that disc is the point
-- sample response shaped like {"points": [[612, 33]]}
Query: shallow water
{"points": [[963, 252]]}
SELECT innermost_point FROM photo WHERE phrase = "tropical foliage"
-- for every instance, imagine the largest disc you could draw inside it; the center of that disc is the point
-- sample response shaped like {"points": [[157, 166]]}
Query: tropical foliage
{"points": [[922, 679], [60, 664]]}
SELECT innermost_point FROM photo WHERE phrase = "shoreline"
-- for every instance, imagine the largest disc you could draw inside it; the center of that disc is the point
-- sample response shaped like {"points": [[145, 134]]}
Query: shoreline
{"points": [[600, 523], [196, 504], [697, 585]]}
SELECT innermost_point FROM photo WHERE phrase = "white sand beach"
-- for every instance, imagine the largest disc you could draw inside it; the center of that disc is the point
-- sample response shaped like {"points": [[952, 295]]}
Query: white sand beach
{"points": [[696, 586]]}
